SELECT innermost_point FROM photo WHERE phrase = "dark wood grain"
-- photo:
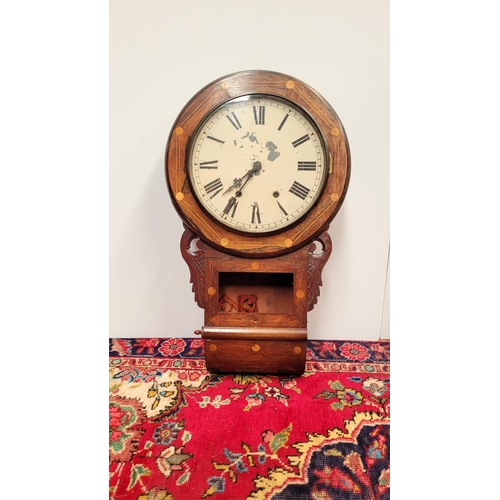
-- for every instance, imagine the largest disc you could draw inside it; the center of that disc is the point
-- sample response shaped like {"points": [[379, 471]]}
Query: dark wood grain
{"points": [[256, 356], [256, 289], [277, 328]]}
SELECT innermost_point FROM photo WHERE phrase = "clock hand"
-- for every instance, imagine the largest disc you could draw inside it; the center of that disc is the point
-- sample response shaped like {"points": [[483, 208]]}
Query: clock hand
{"points": [[255, 168], [234, 199], [237, 182]]}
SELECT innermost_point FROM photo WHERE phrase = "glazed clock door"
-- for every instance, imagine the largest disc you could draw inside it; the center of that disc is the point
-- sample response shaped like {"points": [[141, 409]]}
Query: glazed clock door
{"points": [[257, 164]]}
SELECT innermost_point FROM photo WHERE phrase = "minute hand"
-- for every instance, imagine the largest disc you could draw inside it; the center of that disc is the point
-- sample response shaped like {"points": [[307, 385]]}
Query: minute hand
{"points": [[237, 182], [255, 168]]}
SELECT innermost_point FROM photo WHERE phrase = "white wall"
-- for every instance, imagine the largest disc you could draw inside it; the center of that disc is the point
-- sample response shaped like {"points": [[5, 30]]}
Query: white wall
{"points": [[161, 53]]}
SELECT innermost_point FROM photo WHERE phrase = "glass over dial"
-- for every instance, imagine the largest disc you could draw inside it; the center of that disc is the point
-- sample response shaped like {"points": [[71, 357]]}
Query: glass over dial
{"points": [[257, 164]]}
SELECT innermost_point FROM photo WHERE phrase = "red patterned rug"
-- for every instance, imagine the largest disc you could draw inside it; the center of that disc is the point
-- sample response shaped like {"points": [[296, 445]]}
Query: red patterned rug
{"points": [[177, 432]]}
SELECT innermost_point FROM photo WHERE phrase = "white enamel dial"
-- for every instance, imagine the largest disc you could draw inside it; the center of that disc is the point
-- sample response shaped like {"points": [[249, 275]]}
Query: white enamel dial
{"points": [[257, 164]]}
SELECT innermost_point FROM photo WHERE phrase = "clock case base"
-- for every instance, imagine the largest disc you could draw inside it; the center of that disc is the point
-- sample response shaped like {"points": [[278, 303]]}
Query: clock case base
{"points": [[255, 309], [236, 351]]}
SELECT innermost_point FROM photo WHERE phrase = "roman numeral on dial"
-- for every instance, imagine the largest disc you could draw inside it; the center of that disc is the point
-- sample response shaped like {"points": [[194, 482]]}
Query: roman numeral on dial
{"points": [[255, 213], [300, 140], [234, 121], [309, 166], [283, 122], [215, 139], [283, 211], [299, 190], [209, 164], [259, 115], [231, 205], [214, 187], [234, 209]]}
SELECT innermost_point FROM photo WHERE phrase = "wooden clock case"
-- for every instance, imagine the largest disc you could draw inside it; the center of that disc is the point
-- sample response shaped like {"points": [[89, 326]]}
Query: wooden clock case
{"points": [[256, 289]]}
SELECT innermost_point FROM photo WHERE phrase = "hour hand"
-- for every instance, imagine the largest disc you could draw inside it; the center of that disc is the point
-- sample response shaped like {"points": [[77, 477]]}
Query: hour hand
{"points": [[236, 184], [254, 170]]}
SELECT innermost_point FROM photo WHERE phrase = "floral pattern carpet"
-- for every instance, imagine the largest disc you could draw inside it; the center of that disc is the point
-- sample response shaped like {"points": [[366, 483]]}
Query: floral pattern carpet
{"points": [[178, 432]]}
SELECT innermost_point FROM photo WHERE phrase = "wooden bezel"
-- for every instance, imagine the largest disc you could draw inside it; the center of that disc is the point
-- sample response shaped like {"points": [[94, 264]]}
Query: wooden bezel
{"points": [[337, 154]]}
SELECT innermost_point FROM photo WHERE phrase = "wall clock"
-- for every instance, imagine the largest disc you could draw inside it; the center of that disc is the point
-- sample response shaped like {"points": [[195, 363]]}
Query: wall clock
{"points": [[257, 165]]}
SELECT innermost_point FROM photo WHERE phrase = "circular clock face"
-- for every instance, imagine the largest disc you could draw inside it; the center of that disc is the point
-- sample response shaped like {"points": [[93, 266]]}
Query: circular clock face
{"points": [[257, 164]]}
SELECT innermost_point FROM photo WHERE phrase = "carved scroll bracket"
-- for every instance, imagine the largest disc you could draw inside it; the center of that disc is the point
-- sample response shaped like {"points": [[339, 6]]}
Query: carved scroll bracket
{"points": [[193, 252], [318, 254]]}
